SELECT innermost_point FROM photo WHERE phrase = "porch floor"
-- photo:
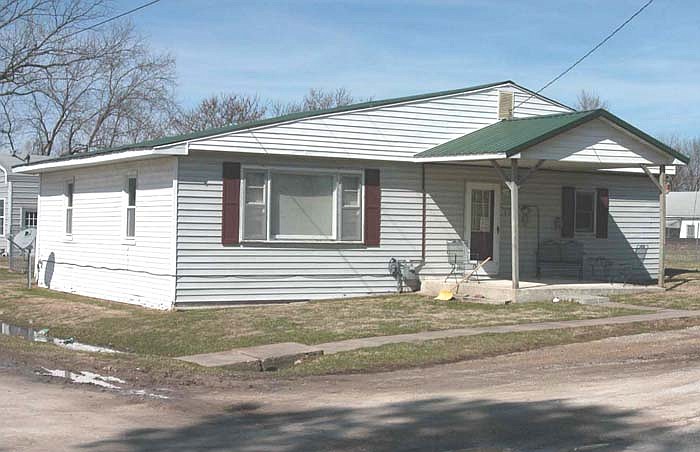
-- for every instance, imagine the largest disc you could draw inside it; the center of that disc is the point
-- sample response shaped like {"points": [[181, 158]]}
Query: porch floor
{"points": [[500, 291]]}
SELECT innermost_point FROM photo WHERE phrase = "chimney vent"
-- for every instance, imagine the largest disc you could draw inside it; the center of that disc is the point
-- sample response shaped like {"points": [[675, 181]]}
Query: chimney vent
{"points": [[505, 105]]}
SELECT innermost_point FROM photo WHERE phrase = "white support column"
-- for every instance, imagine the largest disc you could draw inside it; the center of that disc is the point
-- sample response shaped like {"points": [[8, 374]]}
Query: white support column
{"points": [[514, 227], [662, 226]]}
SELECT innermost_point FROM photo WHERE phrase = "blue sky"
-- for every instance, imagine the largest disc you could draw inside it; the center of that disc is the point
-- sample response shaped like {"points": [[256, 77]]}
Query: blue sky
{"points": [[278, 49]]}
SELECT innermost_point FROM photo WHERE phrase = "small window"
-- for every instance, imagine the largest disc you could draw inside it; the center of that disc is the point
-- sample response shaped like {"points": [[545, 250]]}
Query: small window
{"points": [[585, 211], [350, 215], [255, 227], [2, 217], [29, 219], [690, 231], [131, 207], [70, 189]]}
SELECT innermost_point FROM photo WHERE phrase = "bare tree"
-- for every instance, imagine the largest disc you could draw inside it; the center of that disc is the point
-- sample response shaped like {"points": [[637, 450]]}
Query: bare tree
{"points": [[36, 38], [315, 99], [589, 100], [123, 93], [687, 178], [218, 111]]}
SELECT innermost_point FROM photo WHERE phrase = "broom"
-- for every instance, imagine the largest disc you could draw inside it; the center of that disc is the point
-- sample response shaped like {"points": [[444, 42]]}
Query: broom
{"points": [[448, 294]]}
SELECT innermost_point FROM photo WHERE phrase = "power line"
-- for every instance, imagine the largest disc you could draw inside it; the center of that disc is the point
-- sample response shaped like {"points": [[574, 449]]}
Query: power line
{"points": [[597, 46], [118, 16]]}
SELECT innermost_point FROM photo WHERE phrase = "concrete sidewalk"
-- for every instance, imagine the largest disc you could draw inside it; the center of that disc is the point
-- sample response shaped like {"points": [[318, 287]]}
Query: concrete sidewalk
{"points": [[287, 352]]}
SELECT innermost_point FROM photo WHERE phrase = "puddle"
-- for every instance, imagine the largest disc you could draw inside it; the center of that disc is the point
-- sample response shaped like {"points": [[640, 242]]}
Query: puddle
{"points": [[42, 335], [101, 381]]}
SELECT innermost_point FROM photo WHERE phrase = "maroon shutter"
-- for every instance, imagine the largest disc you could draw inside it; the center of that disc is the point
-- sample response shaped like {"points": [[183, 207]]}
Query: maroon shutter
{"points": [[602, 203], [373, 212], [568, 211], [230, 203]]}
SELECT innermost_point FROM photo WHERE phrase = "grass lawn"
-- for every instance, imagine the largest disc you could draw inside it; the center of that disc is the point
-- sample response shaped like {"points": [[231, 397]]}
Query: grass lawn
{"points": [[167, 334], [397, 356], [683, 270]]}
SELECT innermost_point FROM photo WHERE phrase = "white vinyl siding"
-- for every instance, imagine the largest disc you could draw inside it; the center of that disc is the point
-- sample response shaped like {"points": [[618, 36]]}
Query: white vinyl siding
{"points": [[209, 272], [597, 142], [96, 261], [393, 132]]}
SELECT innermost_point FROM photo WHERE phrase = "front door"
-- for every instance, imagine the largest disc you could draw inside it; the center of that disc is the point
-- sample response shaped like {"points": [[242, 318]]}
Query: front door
{"points": [[483, 224]]}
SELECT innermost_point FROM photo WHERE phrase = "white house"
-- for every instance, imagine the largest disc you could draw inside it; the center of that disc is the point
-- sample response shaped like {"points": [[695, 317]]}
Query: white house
{"points": [[18, 199], [683, 214], [314, 205]]}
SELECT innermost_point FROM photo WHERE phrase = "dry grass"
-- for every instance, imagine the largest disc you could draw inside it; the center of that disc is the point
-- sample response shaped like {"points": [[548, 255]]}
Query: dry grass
{"points": [[683, 283], [144, 331]]}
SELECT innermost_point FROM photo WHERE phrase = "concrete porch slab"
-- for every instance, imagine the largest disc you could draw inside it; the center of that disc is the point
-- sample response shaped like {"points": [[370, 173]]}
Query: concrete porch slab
{"points": [[500, 291], [262, 357]]}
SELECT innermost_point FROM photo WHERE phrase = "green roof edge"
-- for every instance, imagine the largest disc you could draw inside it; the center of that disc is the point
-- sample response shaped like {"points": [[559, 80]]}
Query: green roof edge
{"points": [[168, 140]]}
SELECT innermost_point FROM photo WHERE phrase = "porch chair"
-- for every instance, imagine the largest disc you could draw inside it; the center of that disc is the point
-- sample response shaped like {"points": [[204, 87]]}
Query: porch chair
{"points": [[458, 256], [630, 271]]}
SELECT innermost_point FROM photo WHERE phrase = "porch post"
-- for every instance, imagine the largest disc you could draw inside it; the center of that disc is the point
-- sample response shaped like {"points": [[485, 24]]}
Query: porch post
{"points": [[662, 226], [514, 227]]}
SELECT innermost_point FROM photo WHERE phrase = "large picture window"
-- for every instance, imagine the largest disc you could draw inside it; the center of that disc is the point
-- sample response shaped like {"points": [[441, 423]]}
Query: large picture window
{"points": [[281, 205]]}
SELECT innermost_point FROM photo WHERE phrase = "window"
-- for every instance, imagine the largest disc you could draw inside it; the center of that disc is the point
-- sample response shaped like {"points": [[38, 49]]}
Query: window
{"points": [[70, 188], [29, 219], [350, 214], [284, 205], [131, 207], [255, 226], [690, 231], [585, 211], [2, 217]]}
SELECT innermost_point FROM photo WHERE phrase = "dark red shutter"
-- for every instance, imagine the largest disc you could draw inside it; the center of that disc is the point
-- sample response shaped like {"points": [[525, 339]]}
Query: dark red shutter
{"points": [[568, 211], [602, 204], [373, 207], [230, 212]]}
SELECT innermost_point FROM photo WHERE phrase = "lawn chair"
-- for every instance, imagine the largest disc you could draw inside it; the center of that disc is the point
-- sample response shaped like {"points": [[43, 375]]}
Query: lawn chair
{"points": [[458, 256], [630, 271]]}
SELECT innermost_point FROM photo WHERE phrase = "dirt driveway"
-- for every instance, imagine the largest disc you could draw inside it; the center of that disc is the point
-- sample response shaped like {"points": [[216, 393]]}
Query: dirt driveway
{"points": [[638, 393]]}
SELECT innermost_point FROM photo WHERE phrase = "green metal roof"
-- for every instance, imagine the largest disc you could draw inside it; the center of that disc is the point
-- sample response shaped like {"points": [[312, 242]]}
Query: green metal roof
{"points": [[271, 121], [515, 135]]}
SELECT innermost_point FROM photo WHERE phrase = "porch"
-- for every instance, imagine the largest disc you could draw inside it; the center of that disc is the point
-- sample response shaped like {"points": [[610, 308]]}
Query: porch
{"points": [[586, 182], [500, 290]]}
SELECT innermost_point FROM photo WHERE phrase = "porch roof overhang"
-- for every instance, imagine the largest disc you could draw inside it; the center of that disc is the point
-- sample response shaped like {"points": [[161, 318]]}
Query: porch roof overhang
{"points": [[515, 137]]}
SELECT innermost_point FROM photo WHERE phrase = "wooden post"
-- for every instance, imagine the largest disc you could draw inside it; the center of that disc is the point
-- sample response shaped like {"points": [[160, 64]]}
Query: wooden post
{"points": [[514, 227], [662, 226]]}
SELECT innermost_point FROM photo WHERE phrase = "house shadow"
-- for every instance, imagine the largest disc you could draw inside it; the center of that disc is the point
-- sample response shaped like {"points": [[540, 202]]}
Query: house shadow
{"points": [[436, 424]]}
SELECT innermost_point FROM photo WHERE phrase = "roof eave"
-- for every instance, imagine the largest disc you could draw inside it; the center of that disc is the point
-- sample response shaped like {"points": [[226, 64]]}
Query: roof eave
{"points": [[85, 160]]}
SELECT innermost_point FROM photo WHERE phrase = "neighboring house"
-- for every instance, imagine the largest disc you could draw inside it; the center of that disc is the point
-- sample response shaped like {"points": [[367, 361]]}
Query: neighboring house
{"points": [[18, 198], [314, 205], [683, 215]]}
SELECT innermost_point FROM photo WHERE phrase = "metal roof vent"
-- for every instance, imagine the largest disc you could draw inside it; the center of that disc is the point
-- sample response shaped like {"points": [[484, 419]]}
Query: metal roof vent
{"points": [[505, 105]]}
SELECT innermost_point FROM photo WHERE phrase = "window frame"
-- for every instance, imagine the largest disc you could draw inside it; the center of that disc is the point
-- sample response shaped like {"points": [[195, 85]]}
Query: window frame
{"points": [[688, 228], [336, 234], [69, 201], [2, 217], [24, 218], [129, 239], [593, 195]]}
